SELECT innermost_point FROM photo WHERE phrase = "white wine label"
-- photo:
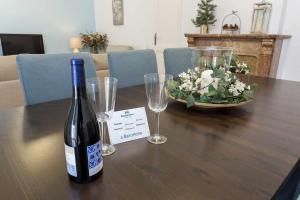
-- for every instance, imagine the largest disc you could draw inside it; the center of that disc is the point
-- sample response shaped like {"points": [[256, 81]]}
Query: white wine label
{"points": [[95, 158], [71, 161]]}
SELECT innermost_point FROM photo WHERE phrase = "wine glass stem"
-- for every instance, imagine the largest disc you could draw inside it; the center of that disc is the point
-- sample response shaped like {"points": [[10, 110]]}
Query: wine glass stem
{"points": [[157, 123], [104, 134], [102, 131]]}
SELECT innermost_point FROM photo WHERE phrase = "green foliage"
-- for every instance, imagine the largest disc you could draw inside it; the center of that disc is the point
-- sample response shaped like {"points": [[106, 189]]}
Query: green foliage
{"points": [[233, 61], [204, 99], [206, 13], [237, 67], [190, 101], [219, 73], [172, 84], [247, 95], [211, 91]]}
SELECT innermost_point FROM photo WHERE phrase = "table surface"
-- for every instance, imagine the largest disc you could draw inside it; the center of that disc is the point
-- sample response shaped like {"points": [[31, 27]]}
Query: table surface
{"points": [[241, 153]]}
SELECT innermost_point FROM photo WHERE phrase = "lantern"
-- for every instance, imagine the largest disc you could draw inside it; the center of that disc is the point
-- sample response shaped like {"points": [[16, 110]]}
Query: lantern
{"points": [[261, 17]]}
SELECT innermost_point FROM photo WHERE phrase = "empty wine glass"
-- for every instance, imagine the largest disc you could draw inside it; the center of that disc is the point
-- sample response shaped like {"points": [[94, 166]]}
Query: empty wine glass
{"points": [[102, 94], [157, 91]]}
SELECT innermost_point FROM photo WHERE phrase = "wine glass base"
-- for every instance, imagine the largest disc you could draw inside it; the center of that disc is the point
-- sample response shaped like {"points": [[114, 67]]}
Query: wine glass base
{"points": [[157, 139], [108, 149]]}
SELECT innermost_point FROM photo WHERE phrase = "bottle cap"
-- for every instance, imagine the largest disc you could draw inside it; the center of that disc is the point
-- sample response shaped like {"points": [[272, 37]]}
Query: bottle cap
{"points": [[77, 61]]}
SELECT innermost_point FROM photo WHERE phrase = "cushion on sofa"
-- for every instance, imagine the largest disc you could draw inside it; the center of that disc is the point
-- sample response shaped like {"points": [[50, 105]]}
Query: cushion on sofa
{"points": [[8, 68], [11, 94], [112, 48], [100, 60]]}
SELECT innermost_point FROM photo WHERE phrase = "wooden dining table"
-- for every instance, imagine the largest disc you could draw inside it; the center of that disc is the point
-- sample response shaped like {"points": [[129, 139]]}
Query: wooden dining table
{"points": [[236, 153]]}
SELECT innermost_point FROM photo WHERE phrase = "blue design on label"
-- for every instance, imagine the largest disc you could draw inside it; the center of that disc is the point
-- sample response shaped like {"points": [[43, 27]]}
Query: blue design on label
{"points": [[94, 157]]}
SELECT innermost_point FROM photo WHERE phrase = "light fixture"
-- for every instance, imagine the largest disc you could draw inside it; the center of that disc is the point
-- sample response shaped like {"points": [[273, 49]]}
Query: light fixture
{"points": [[75, 44]]}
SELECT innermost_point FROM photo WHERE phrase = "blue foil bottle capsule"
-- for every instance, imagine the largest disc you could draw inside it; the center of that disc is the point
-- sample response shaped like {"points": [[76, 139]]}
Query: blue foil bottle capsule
{"points": [[78, 76]]}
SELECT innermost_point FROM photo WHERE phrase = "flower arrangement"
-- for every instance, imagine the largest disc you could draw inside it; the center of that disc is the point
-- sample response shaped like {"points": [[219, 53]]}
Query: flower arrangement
{"points": [[95, 41], [213, 86]]}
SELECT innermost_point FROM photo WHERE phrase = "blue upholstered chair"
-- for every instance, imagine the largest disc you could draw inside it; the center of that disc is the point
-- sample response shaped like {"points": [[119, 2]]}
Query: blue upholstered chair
{"points": [[48, 77], [177, 60], [130, 67]]}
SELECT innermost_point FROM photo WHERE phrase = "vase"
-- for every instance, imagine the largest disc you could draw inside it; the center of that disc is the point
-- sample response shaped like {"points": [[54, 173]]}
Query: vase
{"points": [[94, 50], [102, 50], [203, 29], [211, 57]]}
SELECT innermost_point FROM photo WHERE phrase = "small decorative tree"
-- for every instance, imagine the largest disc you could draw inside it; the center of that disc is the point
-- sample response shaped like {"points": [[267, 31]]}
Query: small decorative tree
{"points": [[206, 15]]}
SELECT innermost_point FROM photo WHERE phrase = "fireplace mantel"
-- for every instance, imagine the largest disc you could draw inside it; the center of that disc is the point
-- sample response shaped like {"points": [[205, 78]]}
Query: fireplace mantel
{"points": [[261, 51]]}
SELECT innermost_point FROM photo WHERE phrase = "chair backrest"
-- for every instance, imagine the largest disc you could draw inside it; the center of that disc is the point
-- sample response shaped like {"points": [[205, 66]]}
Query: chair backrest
{"points": [[130, 67], [177, 60], [47, 77]]}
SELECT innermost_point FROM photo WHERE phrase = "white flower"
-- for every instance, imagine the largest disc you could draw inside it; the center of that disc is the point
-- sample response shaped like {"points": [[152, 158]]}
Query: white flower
{"points": [[184, 76], [236, 93], [198, 81], [237, 88], [228, 76], [193, 75], [240, 86], [233, 90], [207, 74], [206, 80], [187, 86]]}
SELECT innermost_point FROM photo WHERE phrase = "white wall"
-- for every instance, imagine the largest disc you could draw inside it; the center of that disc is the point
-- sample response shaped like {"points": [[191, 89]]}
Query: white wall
{"points": [[244, 8], [138, 25], [138, 29], [57, 20], [289, 67]]}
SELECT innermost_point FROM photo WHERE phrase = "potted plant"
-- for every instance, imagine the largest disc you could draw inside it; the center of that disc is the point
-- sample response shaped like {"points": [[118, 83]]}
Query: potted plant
{"points": [[95, 41], [206, 16]]}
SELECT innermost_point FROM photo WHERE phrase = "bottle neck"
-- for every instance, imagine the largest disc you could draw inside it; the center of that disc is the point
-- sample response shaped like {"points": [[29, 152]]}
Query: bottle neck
{"points": [[78, 81], [79, 92]]}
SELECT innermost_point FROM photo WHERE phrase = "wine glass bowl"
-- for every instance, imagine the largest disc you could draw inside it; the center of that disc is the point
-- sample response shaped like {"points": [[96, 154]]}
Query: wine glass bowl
{"points": [[102, 94], [157, 92]]}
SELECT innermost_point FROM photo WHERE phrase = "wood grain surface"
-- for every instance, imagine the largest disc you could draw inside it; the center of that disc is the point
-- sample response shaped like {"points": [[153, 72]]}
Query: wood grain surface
{"points": [[240, 153]]}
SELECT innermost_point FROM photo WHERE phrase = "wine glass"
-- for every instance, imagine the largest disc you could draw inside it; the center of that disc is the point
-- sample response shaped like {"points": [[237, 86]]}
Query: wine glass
{"points": [[157, 91], [102, 94]]}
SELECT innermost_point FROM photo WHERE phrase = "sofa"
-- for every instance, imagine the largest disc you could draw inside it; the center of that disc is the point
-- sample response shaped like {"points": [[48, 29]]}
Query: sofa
{"points": [[11, 93]]}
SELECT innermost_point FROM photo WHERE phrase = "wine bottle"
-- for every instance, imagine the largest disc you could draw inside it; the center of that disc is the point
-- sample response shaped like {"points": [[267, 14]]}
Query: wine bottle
{"points": [[82, 139]]}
